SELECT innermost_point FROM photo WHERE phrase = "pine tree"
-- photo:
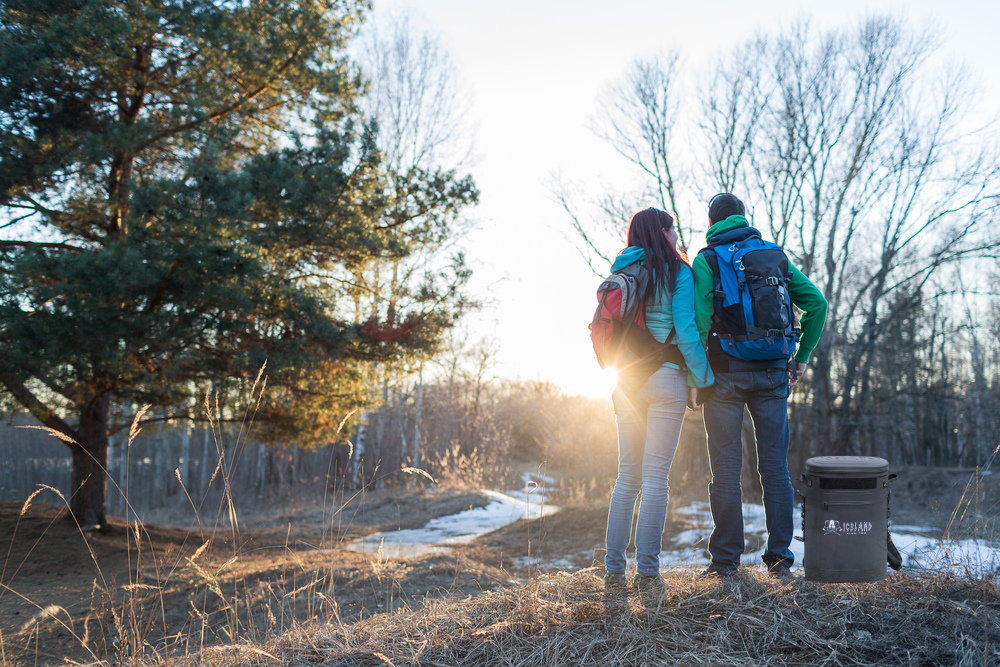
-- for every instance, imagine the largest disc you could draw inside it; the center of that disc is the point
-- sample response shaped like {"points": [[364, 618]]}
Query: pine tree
{"points": [[188, 187]]}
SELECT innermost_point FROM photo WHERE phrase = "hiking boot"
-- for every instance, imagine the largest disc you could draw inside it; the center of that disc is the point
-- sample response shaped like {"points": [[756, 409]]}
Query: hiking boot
{"points": [[780, 570], [615, 588], [650, 588], [713, 571]]}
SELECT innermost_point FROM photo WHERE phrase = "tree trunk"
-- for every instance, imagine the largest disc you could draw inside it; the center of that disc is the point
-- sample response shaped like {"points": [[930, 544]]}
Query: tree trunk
{"points": [[402, 428], [204, 470], [416, 425], [822, 401], [185, 462], [359, 452], [88, 502]]}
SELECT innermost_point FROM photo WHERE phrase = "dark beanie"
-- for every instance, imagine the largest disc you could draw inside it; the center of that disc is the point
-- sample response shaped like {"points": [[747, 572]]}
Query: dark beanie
{"points": [[723, 205]]}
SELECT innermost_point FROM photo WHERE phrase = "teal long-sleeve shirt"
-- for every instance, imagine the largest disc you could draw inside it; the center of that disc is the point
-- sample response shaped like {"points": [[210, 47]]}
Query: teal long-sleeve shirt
{"points": [[666, 311], [804, 294]]}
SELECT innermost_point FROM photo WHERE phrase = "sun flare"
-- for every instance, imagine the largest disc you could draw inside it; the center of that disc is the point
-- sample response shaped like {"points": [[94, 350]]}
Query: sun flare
{"points": [[606, 382]]}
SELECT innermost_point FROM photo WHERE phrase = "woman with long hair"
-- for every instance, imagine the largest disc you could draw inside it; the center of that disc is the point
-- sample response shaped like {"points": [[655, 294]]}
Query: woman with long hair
{"points": [[649, 416]]}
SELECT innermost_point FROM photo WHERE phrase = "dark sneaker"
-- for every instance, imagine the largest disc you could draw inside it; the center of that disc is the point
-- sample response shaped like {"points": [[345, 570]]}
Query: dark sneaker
{"points": [[780, 570], [650, 589], [716, 572]]}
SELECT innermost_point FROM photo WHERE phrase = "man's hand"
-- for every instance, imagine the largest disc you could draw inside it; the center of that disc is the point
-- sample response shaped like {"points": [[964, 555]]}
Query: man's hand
{"points": [[693, 398], [795, 371]]}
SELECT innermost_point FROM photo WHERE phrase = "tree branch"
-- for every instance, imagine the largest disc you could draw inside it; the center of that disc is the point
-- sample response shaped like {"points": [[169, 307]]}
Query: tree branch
{"points": [[47, 246], [229, 108], [38, 410]]}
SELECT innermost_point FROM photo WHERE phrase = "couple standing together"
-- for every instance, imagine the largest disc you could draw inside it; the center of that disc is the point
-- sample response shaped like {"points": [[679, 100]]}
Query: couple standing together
{"points": [[692, 306]]}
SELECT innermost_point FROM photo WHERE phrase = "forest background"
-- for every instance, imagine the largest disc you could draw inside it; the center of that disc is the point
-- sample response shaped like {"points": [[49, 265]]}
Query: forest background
{"points": [[862, 146]]}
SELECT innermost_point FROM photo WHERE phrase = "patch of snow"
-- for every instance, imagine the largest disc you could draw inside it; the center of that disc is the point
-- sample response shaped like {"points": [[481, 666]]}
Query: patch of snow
{"points": [[544, 480], [563, 563], [901, 530], [690, 547], [530, 501], [693, 536], [695, 511], [915, 543], [972, 557], [690, 556]]}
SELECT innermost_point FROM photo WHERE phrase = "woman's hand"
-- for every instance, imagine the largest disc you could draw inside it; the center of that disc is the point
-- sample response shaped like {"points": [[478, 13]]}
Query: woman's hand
{"points": [[795, 371], [693, 398]]}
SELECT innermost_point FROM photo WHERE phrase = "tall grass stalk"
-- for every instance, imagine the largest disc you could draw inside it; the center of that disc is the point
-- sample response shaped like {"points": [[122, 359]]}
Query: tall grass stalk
{"points": [[126, 624]]}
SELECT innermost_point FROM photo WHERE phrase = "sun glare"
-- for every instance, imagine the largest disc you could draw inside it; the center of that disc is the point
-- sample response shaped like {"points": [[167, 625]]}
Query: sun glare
{"points": [[608, 380]]}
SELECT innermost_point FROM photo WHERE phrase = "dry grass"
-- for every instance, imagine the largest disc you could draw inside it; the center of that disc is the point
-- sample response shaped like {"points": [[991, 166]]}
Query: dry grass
{"points": [[236, 599], [561, 619]]}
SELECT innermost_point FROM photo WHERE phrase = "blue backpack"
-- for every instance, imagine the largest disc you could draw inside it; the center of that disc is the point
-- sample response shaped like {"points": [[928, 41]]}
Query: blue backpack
{"points": [[753, 318]]}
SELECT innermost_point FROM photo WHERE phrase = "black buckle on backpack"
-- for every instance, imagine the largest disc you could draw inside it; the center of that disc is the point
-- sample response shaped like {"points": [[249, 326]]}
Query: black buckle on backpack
{"points": [[771, 280]]}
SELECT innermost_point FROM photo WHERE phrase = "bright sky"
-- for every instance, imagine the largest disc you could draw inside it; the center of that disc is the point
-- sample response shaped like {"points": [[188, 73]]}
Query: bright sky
{"points": [[536, 69]]}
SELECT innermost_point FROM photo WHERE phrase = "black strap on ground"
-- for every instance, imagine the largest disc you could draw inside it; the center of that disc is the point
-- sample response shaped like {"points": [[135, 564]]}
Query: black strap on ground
{"points": [[892, 554]]}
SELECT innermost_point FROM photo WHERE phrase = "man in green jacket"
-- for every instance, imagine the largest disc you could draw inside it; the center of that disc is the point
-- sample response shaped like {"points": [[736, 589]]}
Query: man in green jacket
{"points": [[760, 385]]}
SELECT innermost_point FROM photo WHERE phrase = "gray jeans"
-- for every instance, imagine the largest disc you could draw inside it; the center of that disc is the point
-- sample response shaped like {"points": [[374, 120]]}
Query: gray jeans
{"points": [[649, 426]]}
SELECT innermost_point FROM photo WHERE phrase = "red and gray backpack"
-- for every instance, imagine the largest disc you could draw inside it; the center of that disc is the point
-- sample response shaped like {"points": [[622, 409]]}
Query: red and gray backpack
{"points": [[618, 330]]}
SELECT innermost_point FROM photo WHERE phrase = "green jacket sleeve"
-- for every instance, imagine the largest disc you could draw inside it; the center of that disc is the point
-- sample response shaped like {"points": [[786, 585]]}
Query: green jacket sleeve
{"points": [[702, 296], [699, 372], [807, 298]]}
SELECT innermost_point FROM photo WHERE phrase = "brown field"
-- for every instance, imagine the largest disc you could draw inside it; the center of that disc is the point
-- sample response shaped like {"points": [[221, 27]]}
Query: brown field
{"points": [[280, 589]]}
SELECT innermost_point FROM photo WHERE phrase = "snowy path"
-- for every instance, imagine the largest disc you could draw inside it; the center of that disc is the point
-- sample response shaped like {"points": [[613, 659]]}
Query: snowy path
{"points": [[439, 534], [919, 546]]}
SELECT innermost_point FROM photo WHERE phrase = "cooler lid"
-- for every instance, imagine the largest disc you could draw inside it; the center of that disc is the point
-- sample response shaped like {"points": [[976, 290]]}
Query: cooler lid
{"points": [[870, 465]]}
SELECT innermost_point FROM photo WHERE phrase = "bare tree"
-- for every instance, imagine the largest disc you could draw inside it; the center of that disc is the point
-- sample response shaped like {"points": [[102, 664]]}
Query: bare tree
{"points": [[873, 183], [417, 96], [855, 152], [732, 107], [419, 106], [639, 118], [598, 223]]}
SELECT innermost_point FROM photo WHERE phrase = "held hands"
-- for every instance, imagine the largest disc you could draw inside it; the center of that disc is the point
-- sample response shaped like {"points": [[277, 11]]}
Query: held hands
{"points": [[795, 371], [693, 399]]}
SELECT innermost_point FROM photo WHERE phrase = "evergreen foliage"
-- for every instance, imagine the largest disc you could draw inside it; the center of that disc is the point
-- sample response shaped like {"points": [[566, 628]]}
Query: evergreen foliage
{"points": [[188, 188]]}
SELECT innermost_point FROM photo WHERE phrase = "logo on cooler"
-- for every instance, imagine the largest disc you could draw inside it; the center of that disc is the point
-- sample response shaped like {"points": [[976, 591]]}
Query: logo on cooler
{"points": [[832, 527]]}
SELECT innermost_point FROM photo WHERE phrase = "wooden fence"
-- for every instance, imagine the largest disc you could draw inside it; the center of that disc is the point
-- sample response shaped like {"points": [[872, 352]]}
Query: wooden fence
{"points": [[147, 475]]}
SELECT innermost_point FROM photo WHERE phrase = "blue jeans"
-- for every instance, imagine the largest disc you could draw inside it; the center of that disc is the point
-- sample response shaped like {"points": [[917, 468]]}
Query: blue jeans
{"points": [[765, 393], [649, 425]]}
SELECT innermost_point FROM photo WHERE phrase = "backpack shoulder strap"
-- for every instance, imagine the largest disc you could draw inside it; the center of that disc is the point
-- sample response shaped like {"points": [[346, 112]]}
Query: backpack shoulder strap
{"points": [[636, 277], [729, 284], [717, 295], [670, 352], [713, 263]]}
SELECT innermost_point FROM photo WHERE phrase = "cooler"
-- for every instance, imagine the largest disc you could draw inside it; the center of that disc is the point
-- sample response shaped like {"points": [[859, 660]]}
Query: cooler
{"points": [[845, 518]]}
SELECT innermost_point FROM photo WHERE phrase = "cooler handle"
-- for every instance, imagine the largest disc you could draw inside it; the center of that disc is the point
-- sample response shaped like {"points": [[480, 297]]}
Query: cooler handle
{"points": [[798, 484], [889, 481], [847, 503]]}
